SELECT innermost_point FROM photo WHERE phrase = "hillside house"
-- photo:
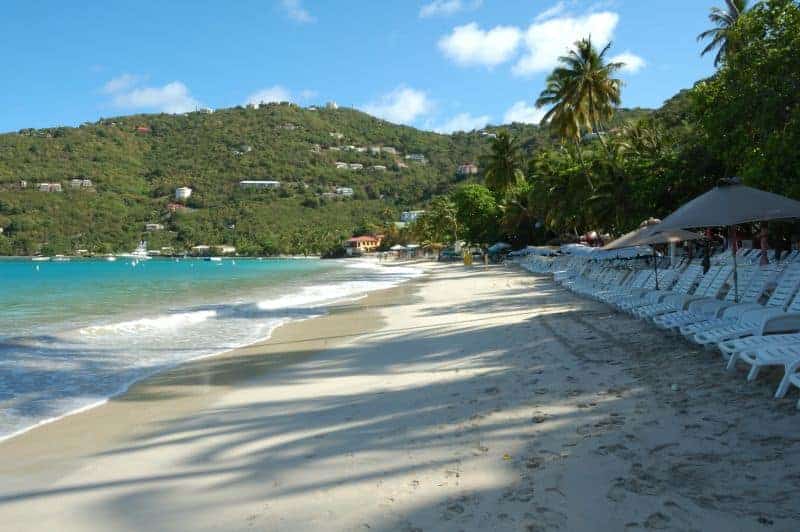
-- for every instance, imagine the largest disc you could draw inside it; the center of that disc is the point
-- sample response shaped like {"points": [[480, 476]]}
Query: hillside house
{"points": [[205, 110], [328, 195], [80, 183], [416, 157], [400, 165], [344, 191], [176, 207], [22, 183], [143, 129], [410, 216], [362, 244], [356, 166], [336, 135], [389, 150], [260, 185], [151, 228], [183, 193], [378, 168], [332, 105], [341, 166], [375, 150], [49, 187], [467, 169]]}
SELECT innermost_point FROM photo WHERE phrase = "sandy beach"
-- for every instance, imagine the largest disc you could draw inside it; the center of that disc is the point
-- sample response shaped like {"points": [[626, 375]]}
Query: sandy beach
{"points": [[469, 399]]}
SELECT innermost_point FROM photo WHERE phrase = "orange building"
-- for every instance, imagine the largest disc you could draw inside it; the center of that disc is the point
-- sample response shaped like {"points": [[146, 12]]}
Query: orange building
{"points": [[362, 244]]}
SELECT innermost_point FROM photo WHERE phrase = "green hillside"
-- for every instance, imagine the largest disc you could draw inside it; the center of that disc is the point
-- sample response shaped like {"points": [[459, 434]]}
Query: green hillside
{"points": [[136, 162]]}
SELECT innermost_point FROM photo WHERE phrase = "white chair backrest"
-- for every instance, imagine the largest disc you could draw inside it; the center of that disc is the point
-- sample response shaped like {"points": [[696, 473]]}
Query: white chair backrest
{"points": [[751, 291], [688, 278], [788, 283]]}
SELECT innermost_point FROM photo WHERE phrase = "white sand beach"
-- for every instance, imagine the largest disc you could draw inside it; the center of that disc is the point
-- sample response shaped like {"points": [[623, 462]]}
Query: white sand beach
{"points": [[472, 399]]}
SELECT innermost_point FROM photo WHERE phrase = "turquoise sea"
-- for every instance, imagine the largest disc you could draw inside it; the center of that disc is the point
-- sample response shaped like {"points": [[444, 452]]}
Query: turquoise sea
{"points": [[73, 334]]}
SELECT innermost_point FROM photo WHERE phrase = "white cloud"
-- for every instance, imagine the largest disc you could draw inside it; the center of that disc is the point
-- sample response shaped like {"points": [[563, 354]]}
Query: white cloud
{"points": [[470, 45], [171, 98], [121, 83], [551, 12], [633, 63], [308, 94], [270, 95], [463, 122], [524, 113], [546, 41], [294, 10], [403, 105], [447, 7]]}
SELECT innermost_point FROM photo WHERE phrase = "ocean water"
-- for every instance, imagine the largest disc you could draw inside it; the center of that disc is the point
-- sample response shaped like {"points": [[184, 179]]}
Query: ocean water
{"points": [[73, 334]]}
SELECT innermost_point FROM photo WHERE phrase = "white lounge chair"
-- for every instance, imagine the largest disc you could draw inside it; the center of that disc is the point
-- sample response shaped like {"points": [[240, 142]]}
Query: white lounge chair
{"points": [[787, 356], [780, 314]]}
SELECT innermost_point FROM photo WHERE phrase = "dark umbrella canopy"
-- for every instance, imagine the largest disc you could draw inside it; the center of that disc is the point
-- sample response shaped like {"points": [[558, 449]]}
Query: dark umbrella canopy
{"points": [[731, 203]]}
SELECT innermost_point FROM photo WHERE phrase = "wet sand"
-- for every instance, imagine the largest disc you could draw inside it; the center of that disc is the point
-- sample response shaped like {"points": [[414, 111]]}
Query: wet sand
{"points": [[472, 399]]}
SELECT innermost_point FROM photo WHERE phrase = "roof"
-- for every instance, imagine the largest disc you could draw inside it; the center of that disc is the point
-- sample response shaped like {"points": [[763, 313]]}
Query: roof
{"points": [[362, 239]]}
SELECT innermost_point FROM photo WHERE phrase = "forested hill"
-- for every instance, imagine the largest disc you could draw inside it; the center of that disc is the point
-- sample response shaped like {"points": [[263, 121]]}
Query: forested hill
{"points": [[135, 163]]}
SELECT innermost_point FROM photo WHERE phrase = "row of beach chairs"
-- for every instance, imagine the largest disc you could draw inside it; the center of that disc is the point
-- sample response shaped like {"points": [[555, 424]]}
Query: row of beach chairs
{"points": [[760, 328]]}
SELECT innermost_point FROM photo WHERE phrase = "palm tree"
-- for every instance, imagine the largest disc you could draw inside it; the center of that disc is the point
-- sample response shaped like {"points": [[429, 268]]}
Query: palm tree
{"points": [[720, 35], [583, 91], [503, 165]]}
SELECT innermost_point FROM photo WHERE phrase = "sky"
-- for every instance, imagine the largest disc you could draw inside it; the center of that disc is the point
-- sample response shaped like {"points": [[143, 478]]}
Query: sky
{"points": [[440, 65]]}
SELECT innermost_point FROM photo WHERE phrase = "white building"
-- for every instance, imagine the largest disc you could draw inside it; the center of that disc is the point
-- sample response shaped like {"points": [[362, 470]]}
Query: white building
{"points": [[342, 166], [467, 169], [332, 105], [183, 193], [416, 157], [153, 227], [80, 183], [259, 184], [49, 187], [356, 166], [225, 250], [410, 216], [389, 150], [375, 150], [378, 168], [344, 191]]}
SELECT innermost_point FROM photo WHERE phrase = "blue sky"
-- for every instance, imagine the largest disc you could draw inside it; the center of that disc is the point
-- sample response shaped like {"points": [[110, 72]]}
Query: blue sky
{"points": [[436, 64]]}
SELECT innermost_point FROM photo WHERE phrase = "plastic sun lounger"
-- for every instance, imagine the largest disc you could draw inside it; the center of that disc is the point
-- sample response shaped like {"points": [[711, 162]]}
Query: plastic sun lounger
{"points": [[787, 356], [667, 279], [638, 282], [708, 307], [708, 289], [781, 314], [707, 314], [681, 297], [732, 348]]}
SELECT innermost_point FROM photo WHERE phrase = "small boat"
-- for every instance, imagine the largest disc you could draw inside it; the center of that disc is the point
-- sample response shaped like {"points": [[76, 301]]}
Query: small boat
{"points": [[40, 259], [213, 259], [140, 253], [111, 259]]}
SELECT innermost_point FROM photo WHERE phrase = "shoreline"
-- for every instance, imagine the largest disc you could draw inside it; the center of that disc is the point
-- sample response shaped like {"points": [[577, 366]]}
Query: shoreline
{"points": [[470, 399], [324, 309]]}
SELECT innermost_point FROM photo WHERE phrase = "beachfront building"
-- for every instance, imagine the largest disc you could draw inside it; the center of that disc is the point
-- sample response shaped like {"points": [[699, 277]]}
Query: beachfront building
{"points": [[224, 250], [200, 250], [80, 183], [183, 193], [259, 185], [467, 169], [410, 216], [49, 187], [344, 191], [359, 245]]}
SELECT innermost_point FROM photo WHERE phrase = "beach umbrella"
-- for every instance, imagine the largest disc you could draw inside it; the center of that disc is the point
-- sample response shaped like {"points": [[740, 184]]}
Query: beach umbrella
{"points": [[397, 247], [729, 204], [648, 233]]}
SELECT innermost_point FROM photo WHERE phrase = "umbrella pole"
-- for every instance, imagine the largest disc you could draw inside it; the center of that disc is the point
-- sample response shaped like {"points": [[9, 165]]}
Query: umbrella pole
{"points": [[735, 270], [655, 266]]}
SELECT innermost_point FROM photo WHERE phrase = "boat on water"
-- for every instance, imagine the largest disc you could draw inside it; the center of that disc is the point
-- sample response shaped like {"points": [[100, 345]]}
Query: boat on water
{"points": [[110, 258], [140, 253], [213, 259], [40, 259]]}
